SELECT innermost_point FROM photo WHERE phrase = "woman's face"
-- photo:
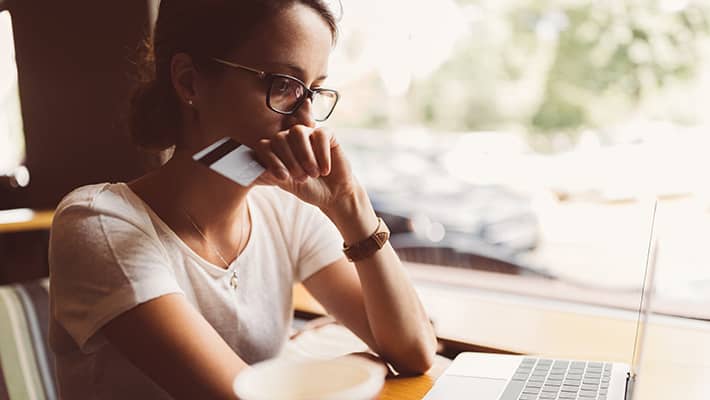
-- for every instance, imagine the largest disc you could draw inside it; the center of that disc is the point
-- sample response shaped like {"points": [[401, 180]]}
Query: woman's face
{"points": [[296, 42]]}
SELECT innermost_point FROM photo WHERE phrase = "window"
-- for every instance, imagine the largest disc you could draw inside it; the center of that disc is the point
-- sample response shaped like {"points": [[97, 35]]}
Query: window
{"points": [[527, 137], [12, 140]]}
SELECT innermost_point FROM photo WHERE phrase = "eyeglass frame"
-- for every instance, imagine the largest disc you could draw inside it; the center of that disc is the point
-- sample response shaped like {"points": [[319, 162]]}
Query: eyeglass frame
{"points": [[269, 76]]}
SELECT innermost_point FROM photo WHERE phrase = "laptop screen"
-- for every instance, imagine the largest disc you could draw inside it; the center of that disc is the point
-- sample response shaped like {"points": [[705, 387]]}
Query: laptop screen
{"points": [[12, 137], [646, 293]]}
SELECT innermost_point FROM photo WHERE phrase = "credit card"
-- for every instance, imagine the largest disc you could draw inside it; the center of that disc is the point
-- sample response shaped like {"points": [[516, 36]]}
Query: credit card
{"points": [[231, 159]]}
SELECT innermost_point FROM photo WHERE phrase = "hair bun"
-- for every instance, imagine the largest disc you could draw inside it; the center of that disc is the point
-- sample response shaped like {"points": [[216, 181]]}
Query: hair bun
{"points": [[154, 116]]}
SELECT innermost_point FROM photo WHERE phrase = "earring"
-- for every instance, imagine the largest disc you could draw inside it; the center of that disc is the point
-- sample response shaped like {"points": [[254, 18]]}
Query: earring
{"points": [[189, 102]]}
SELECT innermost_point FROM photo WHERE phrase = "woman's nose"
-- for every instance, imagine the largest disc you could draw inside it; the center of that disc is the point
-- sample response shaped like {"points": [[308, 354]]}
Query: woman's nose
{"points": [[304, 114]]}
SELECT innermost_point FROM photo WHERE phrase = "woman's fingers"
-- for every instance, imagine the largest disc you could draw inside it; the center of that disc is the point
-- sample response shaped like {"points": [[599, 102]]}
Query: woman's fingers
{"points": [[320, 141], [299, 152], [281, 147], [271, 161], [299, 140]]}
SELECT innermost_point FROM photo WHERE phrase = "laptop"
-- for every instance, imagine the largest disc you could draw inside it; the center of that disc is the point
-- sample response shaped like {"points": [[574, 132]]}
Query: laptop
{"points": [[483, 376]]}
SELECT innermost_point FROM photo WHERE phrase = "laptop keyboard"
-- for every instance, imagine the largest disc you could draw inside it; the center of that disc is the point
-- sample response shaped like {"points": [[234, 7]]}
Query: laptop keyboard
{"points": [[543, 379]]}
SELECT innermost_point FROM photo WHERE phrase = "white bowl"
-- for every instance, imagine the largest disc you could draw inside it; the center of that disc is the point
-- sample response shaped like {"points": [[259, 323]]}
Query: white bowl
{"points": [[344, 378]]}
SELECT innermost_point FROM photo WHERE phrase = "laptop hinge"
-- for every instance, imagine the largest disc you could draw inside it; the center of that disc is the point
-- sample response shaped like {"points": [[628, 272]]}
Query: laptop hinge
{"points": [[629, 386]]}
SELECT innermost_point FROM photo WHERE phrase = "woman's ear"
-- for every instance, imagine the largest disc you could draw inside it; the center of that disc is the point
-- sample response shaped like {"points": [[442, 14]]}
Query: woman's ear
{"points": [[183, 76]]}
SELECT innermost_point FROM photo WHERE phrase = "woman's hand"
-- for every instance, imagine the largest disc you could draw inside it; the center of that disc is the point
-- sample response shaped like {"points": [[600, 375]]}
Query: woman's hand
{"points": [[307, 162]]}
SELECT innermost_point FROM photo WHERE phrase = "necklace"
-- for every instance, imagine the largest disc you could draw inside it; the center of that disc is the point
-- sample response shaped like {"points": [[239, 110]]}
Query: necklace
{"points": [[233, 281]]}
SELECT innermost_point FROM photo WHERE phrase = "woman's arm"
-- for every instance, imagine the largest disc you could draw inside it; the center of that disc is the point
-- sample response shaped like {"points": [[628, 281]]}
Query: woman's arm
{"points": [[383, 302], [169, 341], [375, 299]]}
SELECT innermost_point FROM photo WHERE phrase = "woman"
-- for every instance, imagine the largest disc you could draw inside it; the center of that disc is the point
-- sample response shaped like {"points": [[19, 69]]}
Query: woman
{"points": [[172, 284]]}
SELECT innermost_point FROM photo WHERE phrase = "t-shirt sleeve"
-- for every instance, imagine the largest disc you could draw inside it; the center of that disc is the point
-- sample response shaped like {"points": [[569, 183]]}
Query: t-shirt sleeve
{"points": [[320, 242], [102, 265]]}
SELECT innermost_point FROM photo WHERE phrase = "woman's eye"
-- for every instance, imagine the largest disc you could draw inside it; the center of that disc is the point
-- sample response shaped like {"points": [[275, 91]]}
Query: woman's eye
{"points": [[283, 86]]}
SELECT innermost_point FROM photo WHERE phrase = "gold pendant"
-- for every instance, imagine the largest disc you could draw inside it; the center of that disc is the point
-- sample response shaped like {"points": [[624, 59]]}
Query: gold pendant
{"points": [[233, 281]]}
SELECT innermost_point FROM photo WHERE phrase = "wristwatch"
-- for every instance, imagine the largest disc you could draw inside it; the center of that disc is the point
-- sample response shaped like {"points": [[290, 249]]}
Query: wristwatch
{"points": [[369, 246]]}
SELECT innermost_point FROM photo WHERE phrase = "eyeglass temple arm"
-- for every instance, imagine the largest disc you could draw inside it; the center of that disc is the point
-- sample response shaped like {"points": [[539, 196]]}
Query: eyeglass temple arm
{"points": [[261, 74]]}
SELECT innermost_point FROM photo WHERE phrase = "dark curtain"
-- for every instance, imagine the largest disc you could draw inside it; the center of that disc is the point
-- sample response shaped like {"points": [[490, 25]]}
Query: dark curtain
{"points": [[74, 61], [74, 65]]}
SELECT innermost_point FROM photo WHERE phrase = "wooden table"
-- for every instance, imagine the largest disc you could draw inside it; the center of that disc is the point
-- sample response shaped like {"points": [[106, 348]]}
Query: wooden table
{"points": [[676, 362], [413, 387], [28, 220]]}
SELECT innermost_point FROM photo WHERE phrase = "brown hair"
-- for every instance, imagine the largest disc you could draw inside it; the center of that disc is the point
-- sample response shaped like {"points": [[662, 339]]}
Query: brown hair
{"points": [[202, 29]]}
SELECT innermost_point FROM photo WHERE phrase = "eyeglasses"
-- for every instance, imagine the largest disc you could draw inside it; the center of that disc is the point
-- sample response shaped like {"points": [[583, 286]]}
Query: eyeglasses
{"points": [[286, 93]]}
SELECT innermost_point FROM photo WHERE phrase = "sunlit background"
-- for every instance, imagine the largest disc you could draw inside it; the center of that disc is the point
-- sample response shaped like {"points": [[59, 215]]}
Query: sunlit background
{"points": [[12, 141], [541, 129]]}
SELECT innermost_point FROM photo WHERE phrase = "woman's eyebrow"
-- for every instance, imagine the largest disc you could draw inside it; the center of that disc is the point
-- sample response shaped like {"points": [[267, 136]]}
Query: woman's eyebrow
{"points": [[300, 72]]}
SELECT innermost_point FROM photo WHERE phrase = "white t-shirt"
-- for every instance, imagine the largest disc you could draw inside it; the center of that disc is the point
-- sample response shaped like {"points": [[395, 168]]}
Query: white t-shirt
{"points": [[110, 252]]}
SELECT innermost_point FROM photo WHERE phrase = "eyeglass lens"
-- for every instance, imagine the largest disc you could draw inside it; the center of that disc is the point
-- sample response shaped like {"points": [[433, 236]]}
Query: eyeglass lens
{"points": [[286, 94]]}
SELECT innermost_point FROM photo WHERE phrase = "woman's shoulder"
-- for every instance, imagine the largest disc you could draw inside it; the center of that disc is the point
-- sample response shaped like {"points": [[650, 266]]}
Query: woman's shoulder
{"points": [[82, 196], [109, 199]]}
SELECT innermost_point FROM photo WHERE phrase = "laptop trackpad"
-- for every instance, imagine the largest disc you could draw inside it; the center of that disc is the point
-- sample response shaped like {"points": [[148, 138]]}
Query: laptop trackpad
{"points": [[454, 387]]}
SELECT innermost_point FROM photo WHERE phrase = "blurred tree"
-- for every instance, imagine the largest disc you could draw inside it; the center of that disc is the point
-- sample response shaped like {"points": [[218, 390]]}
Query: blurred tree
{"points": [[613, 56], [543, 66], [561, 65]]}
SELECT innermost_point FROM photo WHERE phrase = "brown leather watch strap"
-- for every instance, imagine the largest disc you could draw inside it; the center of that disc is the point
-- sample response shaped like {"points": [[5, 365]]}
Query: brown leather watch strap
{"points": [[369, 246]]}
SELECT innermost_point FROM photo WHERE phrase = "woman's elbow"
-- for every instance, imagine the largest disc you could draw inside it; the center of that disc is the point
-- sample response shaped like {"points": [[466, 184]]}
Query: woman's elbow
{"points": [[423, 363], [417, 359]]}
